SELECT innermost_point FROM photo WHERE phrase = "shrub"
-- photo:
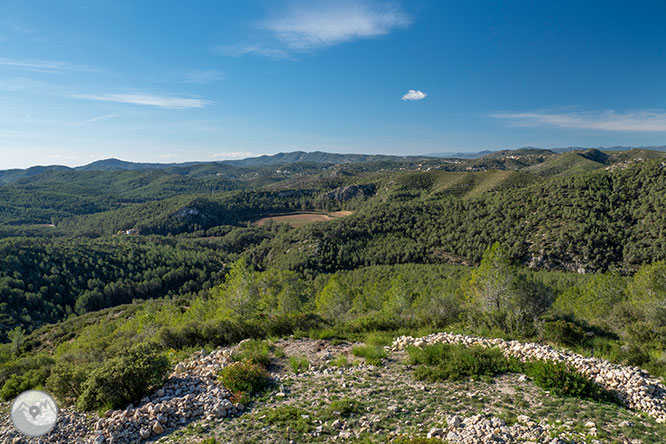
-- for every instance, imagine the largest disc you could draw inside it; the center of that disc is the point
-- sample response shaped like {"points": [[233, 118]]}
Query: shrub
{"points": [[379, 338], [298, 363], [560, 379], [244, 376], [344, 407], [341, 361], [66, 380], [16, 384], [373, 354], [454, 362], [403, 439], [256, 351], [289, 416], [124, 379], [563, 332]]}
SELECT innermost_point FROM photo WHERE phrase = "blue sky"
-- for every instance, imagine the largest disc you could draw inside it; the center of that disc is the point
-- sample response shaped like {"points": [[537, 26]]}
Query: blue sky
{"points": [[168, 81]]}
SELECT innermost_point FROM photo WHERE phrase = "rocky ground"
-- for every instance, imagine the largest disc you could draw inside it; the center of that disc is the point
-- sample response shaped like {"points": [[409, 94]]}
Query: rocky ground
{"points": [[339, 398]]}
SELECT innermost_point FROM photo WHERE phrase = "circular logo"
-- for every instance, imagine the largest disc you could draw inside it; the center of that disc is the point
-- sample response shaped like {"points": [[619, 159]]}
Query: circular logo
{"points": [[34, 413]]}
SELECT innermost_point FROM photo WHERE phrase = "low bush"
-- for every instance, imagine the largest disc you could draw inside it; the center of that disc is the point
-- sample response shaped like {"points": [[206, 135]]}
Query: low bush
{"points": [[372, 354], [253, 350], [344, 407], [341, 361], [298, 364], [439, 362], [16, 384], [289, 416], [404, 439], [244, 376], [124, 379], [560, 379], [564, 332], [379, 338]]}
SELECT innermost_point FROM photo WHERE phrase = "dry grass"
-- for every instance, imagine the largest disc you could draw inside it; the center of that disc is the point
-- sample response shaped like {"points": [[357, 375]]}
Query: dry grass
{"points": [[299, 219]]}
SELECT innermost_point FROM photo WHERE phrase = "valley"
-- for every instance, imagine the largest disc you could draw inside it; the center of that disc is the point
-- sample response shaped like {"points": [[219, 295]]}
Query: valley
{"points": [[129, 275]]}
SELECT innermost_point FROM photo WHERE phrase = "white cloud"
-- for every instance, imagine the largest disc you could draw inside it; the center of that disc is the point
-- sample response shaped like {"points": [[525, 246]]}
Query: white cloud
{"points": [[49, 66], [414, 94], [609, 120], [318, 24], [94, 119], [203, 77], [234, 155], [239, 50], [33, 65], [149, 100]]}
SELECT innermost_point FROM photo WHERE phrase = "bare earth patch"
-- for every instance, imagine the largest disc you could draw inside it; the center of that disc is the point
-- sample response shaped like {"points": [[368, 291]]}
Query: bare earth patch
{"points": [[299, 219]]}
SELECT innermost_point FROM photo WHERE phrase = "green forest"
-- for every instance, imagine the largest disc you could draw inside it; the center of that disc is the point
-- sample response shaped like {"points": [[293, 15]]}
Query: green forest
{"points": [[561, 248]]}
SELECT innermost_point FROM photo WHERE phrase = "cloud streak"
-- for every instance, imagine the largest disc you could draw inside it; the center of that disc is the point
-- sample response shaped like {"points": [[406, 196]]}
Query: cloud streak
{"points": [[321, 24], [239, 50], [413, 95], [609, 120], [202, 77], [234, 155], [170, 102], [95, 119], [46, 66]]}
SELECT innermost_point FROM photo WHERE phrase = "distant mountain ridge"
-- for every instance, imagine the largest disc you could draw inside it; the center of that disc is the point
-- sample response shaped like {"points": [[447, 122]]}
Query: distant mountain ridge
{"points": [[13, 175]]}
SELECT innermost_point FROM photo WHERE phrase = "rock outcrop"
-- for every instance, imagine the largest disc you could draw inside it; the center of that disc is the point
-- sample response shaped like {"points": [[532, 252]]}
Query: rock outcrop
{"points": [[343, 194]]}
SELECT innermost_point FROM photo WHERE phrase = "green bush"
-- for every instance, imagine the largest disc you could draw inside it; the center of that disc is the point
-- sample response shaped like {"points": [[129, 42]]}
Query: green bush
{"points": [[256, 351], [16, 384], [298, 364], [289, 416], [344, 407], [66, 380], [373, 354], [564, 332], [379, 338], [403, 439], [244, 376], [124, 379], [439, 362], [341, 361], [560, 379]]}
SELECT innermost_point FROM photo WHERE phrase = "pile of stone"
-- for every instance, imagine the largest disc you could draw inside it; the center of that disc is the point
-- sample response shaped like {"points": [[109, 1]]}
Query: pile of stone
{"points": [[634, 386], [481, 429], [191, 392]]}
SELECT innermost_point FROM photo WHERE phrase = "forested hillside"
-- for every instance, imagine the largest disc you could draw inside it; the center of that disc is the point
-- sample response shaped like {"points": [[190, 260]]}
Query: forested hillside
{"points": [[99, 238], [570, 246]]}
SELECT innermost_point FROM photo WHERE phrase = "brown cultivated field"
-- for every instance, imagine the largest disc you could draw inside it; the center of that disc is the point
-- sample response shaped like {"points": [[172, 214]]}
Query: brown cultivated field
{"points": [[300, 219]]}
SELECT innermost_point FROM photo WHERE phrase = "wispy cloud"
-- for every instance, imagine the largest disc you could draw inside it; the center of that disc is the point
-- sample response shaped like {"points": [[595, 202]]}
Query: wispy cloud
{"points": [[609, 120], [27, 117], [149, 100], [33, 65], [307, 25], [47, 66], [414, 94], [238, 50], [94, 119], [318, 24], [203, 77], [234, 155]]}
